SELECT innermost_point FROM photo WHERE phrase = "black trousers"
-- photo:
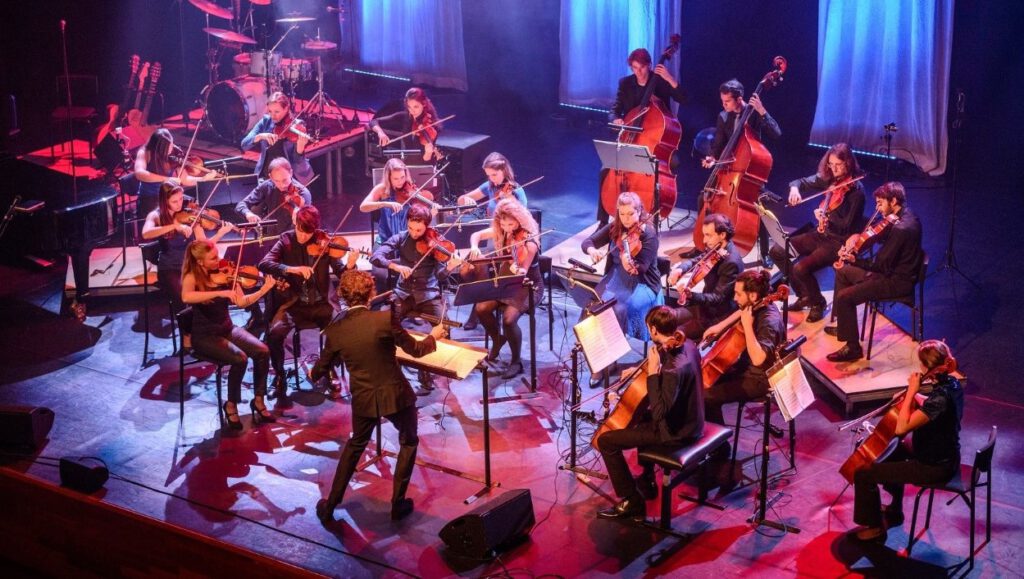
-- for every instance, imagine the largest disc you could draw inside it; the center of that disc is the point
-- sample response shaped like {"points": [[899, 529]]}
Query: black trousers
{"points": [[612, 445], [817, 251], [305, 315], [899, 469], [855, 286], [408, 307], [362, 429], [743, 386], [235, 351]]}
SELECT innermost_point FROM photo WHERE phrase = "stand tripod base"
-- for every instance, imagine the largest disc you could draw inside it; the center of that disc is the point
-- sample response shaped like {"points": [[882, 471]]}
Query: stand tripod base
{"points": [[758, 522]]}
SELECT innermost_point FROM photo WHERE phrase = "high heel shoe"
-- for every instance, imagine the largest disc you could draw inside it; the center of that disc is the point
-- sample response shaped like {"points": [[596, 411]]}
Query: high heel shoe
{"points": [[235, 424], [260, 415]]}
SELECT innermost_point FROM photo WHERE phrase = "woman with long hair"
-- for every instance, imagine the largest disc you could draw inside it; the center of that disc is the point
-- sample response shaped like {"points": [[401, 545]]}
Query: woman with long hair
{"points": [[417, 114], [214, 335]]}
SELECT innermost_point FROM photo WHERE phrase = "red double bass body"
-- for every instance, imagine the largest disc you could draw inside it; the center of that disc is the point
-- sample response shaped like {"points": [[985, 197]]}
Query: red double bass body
{"points": [[661, 134], [733, 188]]}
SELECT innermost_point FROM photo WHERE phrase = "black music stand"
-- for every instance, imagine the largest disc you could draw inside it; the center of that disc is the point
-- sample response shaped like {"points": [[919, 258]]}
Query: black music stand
{"points": [[455, 361], [632, 159], [779, 237], [497, 288]]}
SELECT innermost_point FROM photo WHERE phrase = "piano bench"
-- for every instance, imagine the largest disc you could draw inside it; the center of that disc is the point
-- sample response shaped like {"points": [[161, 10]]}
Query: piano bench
{"points": [[680, 462]]}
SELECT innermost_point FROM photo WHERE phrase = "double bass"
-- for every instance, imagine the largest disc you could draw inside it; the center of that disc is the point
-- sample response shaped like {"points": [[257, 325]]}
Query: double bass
{"points": [[733, 187], [661, 133]]}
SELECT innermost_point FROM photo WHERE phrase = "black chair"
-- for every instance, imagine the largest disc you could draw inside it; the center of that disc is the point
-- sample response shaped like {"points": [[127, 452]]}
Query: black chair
{"points": [[736, 437], [964, 485], [680, 462], [85, 92], [197, 359], [151, 256], [544, 261], [914, 301]]}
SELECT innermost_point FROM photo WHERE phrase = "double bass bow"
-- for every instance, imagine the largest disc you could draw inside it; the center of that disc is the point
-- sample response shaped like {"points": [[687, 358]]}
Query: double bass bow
{"points": [[660, 133], [734, 185]]}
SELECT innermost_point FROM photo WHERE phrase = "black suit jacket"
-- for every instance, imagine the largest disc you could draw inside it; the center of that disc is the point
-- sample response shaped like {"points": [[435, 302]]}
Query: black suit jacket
{"points": [[287, 251], [716, 301], [366, 341]]}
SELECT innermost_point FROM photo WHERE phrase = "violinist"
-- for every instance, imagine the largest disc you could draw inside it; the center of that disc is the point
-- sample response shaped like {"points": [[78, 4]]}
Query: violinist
{"points": [[840, 214], [418, 114], [674, 414], [277, 136], [631, 275], [891, 274], [935, 426], [214, 336], [511, 227], [699, 310], [276, 198], [631, 87], [153, 166], [763, 331], [417, 290], [165, 223], [295, 258], [500, 183], [391, 199]]}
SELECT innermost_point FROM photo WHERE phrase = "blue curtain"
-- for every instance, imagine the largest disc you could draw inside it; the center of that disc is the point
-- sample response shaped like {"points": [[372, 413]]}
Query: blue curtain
{"points": [[598, 35], [414, 38], [883, 61]]}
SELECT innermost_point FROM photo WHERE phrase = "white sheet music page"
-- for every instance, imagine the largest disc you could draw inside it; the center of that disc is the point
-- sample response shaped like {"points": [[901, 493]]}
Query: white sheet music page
{"points": [[793, 394], [602, 340]]}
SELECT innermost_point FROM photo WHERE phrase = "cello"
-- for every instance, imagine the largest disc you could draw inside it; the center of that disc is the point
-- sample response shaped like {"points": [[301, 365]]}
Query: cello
{"points": [[731, 343], [733, 187], [661, 133]]}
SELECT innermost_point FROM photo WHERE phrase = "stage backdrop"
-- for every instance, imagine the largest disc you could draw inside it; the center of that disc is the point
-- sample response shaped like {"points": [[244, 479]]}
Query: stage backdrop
{"points": [[883, 62], [598, 35]]}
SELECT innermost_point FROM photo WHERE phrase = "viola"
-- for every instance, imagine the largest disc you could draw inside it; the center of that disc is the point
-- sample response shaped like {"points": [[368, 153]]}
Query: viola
{"points": [[432, 241], [335, 246], [190, 214], [661, 134], [703, 266], [734, 185], [731, 344], [226, 274], [872, 230]]}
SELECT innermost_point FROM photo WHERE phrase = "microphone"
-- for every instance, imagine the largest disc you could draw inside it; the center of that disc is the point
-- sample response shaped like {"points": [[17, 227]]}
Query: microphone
{"points": [[335, 9], [577, 263], [891, 127], [63, 25]]}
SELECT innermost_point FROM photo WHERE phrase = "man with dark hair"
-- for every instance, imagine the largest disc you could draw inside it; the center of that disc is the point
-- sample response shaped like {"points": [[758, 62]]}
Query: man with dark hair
{"points": [[819, 247], [366, 341], [698, 310], [891, 274], [764, 332], [306, 299], [418, 291], [674, 415], [631, 87]]}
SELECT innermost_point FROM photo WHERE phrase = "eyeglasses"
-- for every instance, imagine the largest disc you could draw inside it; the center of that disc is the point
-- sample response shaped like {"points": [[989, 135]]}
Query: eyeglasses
{"points": [[836, 165]]}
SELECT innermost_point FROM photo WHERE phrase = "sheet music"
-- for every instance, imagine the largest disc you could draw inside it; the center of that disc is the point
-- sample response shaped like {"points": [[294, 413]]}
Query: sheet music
{"points": [[602, 340], [793, 394], [451, 359]]}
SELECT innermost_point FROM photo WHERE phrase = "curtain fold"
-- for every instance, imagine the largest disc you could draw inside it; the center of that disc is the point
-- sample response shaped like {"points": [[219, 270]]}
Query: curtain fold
{"points": [[881, 62], [413, 38], [596, 36]]}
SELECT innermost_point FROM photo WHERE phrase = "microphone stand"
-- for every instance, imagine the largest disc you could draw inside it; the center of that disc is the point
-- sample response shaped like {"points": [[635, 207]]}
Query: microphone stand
{"points": [[949, 262], [71, 126]]}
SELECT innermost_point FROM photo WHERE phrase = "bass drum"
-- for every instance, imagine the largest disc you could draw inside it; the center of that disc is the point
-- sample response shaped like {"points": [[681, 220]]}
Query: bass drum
{"points": [[235, 106]]}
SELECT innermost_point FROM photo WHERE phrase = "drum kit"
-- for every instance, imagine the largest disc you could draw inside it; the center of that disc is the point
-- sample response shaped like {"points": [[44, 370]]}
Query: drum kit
{"points": [[234, 106]]}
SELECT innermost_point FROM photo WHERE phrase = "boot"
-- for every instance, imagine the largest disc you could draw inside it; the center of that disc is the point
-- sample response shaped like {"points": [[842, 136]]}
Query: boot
{"points": [[401, 506]]}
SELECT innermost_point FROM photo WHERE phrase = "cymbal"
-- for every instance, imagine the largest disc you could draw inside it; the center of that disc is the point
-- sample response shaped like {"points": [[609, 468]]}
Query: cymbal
{"points": [[228, 35], [212, 9], [295, 19], [319, 45]]}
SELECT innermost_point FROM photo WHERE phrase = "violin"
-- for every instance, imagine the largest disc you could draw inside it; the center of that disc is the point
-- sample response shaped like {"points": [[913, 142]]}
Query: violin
{"points": [[289, 129], [514, 247], [425, 129], [190, 214], [834, 197], [432, 241], [410, 192], [193, 164], [226, 274], [335, 246], [872, 230], [629, 243], [703, 266]]}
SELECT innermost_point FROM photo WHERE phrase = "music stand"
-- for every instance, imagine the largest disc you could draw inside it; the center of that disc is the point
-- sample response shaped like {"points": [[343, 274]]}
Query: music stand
{"points": [[632, 159], [498, 288], [780, 238]]}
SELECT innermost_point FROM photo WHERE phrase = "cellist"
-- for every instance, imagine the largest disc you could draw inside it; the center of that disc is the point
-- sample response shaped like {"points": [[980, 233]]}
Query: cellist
{"points": [[763, 333], [699, 310], [935, 457], [674, 414], [839, 215]]}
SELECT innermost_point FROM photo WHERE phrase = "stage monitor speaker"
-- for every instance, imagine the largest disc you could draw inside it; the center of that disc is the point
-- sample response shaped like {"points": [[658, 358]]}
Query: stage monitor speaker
{"points": [[24, 427], [466, 152], [420, 175], [494, 526]]}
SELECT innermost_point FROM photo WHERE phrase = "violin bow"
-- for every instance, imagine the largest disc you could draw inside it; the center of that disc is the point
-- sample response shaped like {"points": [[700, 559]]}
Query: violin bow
{"points": [[199, 214], [238, 263], [831, 189], [285, 202], [517, 243]]}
